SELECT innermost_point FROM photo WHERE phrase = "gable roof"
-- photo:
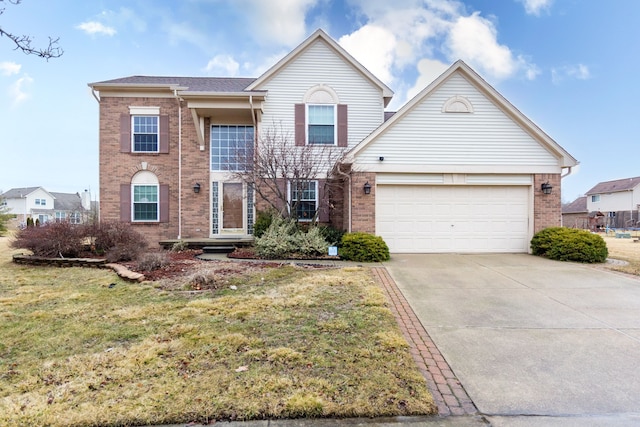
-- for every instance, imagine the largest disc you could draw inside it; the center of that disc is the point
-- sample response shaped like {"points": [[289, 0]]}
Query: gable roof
{"points": [[67, 202], [625, 184], [492, 94], [19, 193], [319, 34], [579, 205]]}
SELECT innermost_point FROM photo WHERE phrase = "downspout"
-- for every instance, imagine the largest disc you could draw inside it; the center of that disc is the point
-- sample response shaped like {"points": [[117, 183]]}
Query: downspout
{"points": [[93, 92], [175, 93], [255, 139], [568, 172]]}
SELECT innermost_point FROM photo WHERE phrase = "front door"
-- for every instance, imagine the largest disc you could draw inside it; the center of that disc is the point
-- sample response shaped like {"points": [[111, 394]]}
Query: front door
{"points": [[232, 212]]}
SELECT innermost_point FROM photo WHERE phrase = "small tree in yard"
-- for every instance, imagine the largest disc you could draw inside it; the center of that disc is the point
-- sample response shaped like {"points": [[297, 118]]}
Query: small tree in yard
{"points": [[277, 165], [5, 216]]}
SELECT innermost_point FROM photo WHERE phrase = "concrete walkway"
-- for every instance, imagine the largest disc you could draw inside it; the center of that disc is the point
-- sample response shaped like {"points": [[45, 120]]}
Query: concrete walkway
{"points": [[533, 342]]}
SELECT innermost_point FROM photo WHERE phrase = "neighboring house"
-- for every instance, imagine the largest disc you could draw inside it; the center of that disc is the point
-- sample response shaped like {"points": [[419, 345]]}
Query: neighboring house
{"points": [[457, 169], [576, 215], [44, 206], [618, 200]]}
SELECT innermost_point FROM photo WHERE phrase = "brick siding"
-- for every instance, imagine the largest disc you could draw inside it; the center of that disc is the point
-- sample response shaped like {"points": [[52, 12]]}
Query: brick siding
{"points": [[547, 208]]}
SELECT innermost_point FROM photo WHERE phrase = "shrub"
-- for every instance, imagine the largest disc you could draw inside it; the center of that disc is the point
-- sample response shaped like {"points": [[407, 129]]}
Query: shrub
{"points": [[278, 240], [569, 244], [283, 239], [53, 239], [153, 261], [263, 221], [310, 243], [364, 247], [332, 235], [180, 246], [117, 240]]}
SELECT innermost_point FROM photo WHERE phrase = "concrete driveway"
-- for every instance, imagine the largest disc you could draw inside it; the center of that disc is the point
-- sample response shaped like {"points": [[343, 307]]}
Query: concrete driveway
{"points": [[533, 341]]}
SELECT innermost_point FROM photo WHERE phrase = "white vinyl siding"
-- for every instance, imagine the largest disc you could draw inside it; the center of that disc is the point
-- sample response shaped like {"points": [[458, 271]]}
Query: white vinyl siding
{"points": [[486, 138], [443, 218], [320, 64], [614, 202]]}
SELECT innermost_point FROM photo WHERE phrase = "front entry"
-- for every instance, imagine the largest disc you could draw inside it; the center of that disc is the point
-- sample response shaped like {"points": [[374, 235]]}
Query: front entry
{"points": [[232, 208]]}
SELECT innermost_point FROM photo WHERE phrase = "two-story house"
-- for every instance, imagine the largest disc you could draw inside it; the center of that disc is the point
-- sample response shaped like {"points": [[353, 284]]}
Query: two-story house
{"points": [[618, 200], [457, 169], [44, 206]]}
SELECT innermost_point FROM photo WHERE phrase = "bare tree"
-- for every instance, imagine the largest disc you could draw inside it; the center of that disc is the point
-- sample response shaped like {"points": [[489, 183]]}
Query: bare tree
{"points": [[276, 166], [23, 42]]}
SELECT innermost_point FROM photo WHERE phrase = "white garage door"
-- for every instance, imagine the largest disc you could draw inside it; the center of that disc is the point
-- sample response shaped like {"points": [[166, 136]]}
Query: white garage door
{"points": [[421, 218]]}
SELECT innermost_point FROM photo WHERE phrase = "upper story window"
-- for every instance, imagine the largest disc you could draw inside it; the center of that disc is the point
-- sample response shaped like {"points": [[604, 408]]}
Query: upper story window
{"points": [[41, 202], [231, 147], [321, 119], [145, 134], [595, 198], [144, 130], [321, 124]]}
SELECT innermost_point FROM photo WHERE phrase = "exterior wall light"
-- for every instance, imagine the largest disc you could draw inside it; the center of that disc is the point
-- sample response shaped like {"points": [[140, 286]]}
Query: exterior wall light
{"points": [[196, 187], [546, 188], [367, 188]]}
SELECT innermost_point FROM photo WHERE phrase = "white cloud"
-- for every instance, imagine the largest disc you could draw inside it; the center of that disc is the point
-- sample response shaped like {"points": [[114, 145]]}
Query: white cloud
{"points": [[9, 68], [94, 27], [535, 7], [577, 71], [223, 65], [374, 47], [429, 70], [277, 21], [18, 90], [474, 39]]}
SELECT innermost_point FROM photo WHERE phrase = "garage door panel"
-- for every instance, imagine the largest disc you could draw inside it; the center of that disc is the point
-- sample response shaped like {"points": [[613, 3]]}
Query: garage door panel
{"points": [[413, 218]]}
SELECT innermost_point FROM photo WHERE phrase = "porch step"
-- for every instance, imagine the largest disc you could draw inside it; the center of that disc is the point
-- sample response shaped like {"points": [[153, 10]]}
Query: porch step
{"points": [[218, 249]]}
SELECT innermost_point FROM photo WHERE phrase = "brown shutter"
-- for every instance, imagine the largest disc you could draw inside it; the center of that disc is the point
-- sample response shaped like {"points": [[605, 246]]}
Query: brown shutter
{"points": [[164, 134], [125, 133], [323, 201], [300, 124], [164, 203], [125, 202], [343, 133]]}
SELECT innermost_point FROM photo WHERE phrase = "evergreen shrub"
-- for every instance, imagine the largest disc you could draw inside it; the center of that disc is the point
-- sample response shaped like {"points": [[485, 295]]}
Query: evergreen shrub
{"points": [[363, 247], [569, 244]]}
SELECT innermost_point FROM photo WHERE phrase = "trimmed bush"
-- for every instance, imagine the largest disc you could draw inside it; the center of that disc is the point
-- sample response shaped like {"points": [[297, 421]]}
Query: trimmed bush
{"points": [[52, 240], [569, 244], [364, 247], [311, 243]]}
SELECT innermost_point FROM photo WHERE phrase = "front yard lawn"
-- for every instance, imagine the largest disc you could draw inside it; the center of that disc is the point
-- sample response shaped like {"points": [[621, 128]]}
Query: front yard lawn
{"points": [[80, 347]]}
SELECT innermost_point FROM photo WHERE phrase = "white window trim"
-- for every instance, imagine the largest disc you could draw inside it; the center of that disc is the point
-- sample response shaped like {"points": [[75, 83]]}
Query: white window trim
{"points": [[335, 124], [211, 146], [133, 203], [290, 201], [595, 198], [144, 111], [133, 144]]}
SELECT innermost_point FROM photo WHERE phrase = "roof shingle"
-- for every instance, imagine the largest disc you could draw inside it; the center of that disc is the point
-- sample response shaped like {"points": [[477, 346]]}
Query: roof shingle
{"points": [[615, 186], [194, 84]]}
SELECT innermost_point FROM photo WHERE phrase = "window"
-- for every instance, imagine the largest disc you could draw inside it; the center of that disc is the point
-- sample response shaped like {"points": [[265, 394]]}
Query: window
{"points": [[74, 218], [41, 202], [231, 147], [321, 124], [595, 198], [145, 134], [145, 202], [61, 216], [304, 199]]}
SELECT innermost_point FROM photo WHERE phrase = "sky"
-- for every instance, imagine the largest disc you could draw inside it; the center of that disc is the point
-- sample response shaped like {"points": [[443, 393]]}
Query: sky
{"points": [[570, 66]]}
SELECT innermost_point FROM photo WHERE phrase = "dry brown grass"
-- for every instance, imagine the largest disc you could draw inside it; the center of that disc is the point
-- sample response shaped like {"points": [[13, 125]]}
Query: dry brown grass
{"points": [[625, 250], [76, 351]]}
